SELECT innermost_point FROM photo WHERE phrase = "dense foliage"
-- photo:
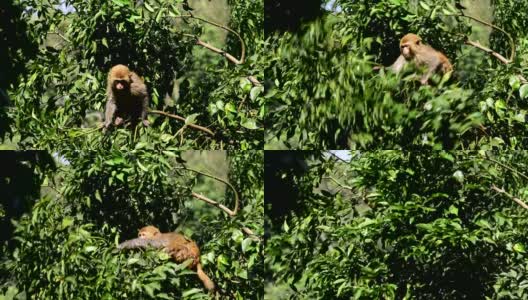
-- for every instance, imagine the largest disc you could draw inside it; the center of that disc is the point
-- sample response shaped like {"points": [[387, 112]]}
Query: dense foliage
{"points": [[324, 93], [404, 225], [65, 246], [59, 93]]}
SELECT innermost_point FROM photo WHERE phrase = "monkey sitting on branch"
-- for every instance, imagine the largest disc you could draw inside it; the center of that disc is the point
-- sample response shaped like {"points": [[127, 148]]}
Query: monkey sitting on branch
{"points": [[412, 50], [128, 99], [176, 245]]}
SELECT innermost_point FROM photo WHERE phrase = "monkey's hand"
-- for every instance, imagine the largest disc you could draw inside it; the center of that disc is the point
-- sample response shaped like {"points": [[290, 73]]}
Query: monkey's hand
{"points": [[118, 121], [142, 243]]}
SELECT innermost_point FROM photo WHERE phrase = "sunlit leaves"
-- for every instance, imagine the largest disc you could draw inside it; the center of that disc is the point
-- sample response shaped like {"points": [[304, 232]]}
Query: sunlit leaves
{"points": [[422, 220]]}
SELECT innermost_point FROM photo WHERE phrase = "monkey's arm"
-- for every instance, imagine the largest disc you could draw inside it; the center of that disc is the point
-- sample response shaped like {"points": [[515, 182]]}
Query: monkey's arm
{"points": [[397, 66], [139, 89], [109, 111], [144, 111], [142, 243]]}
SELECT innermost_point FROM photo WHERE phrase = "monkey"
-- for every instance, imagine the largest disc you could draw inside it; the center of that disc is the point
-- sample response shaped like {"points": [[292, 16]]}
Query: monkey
{"points": [[127, 97], [413, 50], [179, 247]]}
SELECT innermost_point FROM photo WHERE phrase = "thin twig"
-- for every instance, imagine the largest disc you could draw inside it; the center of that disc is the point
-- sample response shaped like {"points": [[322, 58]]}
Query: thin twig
{"points": [[204, 129], [250, 233], [503, 59], [254, 80], [512, 43], [219, 51], [61, 36], [502, 191], [213, 203], [337, 157], [235, 210], [506, 167]]}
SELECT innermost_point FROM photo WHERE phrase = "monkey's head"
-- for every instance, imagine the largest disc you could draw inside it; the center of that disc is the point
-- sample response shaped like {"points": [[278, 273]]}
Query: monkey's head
{"points": [[408, 45], [119, 77], [148, 232]]}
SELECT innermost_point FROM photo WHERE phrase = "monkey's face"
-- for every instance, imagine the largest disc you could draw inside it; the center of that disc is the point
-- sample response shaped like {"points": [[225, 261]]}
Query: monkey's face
{"points": [[121, 84], [148, 232], [408, 45]]}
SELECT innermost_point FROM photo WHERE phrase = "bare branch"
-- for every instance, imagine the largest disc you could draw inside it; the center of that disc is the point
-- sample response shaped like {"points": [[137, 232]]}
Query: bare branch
{"points": [[502, 191], [198, 127], [254, 80], [237, 200], [219, 51], [214, 203], [503, 59], [512, 43], [216, 50]]}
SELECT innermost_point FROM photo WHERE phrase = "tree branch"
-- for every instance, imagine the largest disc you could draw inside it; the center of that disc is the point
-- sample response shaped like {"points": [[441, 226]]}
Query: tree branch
{"points": [[219, 51], [216, 50], [512, 43], [503, 59], [235, 210], [517, 200], [198, 127], [213, 203], [254, 80]]}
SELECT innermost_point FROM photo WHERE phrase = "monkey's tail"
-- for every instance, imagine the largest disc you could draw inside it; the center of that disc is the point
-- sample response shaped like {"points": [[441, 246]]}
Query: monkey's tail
{"points": [[208, 283]]}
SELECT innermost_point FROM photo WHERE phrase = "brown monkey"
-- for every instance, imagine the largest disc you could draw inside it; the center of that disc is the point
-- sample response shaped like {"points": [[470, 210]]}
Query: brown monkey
{"points": [[413, 50], [176, 245], [127, 97]]}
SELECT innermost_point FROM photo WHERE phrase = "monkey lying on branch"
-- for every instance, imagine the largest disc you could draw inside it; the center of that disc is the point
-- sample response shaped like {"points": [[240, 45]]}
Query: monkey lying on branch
{"points": [[176, 245]]}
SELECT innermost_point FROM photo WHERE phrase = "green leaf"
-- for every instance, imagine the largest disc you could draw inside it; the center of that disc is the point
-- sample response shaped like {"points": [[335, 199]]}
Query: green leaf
{"points": [[121, 2], [89, 249], [169, 153], [67, 222], [148, 7], [230, 107], [245, 244], [160, 15], [245, 85], [519, 248], [142, 167], [255, 92], [425, 5], [190, 292], [459, 176], [121, 177], [523, 91], [191, 119], [249, 124]]}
